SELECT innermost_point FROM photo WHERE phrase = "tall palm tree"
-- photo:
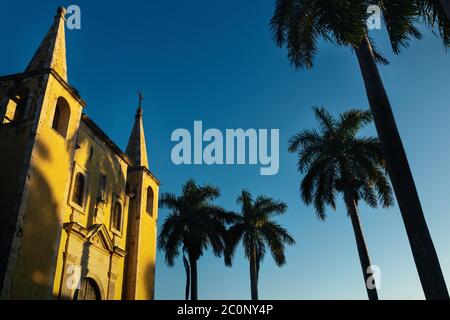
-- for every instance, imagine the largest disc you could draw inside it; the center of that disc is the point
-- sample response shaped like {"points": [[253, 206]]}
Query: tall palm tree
{"points": [[193, 224], [256, 228], [299, 24], [336, 161]]}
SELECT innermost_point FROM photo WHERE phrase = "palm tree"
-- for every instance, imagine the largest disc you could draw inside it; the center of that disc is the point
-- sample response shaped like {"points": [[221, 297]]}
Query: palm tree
{"points": [[299, 24], [255, 227], [334, 161], [193, 224]]}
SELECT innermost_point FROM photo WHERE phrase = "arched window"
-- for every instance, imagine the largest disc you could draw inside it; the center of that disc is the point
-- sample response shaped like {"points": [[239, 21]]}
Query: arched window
{"points": [[102, 189], [61, 117], [79, 188], [56, 117], [117, 216], [150, 196], [91, 153], [15, 109], [88, 290]]}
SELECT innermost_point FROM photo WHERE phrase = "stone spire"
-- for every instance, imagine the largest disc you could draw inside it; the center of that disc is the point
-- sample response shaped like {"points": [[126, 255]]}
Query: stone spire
{"points": [[136, 148], [52, 51]]}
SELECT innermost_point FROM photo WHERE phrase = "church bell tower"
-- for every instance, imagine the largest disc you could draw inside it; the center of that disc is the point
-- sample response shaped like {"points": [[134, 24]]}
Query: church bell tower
{"points": [[39, 119]]}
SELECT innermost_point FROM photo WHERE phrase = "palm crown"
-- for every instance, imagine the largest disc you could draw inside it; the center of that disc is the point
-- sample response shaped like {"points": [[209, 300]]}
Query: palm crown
{"points": [[299, 24], [335, 160], [256, 229], [194, 223]]}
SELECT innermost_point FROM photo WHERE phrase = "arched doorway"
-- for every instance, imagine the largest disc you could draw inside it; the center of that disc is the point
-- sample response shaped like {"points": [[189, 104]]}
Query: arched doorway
{"points": [[88, 290]]}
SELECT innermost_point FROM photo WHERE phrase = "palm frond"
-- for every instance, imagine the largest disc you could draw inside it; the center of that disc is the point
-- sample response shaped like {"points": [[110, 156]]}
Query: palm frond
{"points": [[168, 201], [266, 207], [281, 20], [276, 237], [400, 18], [305, 138], [351, 121], [325, 119], [234, 236], [434, 16]]}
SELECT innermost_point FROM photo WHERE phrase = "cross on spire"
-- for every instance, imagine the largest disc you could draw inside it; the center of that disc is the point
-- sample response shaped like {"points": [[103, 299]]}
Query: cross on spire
{"points": [[141, 98], [140, 110]]}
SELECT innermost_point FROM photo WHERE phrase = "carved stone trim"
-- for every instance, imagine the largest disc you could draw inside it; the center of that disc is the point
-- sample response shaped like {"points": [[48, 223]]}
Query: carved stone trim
{"points": [[119, 251], [98, 235]]}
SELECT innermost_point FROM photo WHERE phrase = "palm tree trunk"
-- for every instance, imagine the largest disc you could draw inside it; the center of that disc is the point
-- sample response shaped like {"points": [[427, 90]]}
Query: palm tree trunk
{"points": [[423, 250], [361, 245], [254, 276], [446, 5], [188, 276], [193, 265]]}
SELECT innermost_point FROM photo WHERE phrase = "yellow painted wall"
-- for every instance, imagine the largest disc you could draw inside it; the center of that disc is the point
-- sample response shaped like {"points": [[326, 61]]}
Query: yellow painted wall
{"points": [[37, 263], [94, 158], [13, 146], [43, 206], [147, 250], [142, 243]]}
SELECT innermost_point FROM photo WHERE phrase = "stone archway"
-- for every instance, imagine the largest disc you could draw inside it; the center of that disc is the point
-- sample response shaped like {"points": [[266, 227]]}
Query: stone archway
{"points": [[89, 290]]}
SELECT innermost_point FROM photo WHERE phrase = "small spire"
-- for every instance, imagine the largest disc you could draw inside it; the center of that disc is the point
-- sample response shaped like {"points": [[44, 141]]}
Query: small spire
{"points": [[136, 148], [140, 111], [51, 53]]}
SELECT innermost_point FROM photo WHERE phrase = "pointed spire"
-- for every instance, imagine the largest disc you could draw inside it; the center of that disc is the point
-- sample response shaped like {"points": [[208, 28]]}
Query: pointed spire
{"points": [[52, 51], [136, 149]]}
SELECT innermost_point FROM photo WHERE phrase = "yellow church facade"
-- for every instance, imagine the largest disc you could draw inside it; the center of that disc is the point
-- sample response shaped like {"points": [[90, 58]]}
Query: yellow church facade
{"points": [[78, 216]]}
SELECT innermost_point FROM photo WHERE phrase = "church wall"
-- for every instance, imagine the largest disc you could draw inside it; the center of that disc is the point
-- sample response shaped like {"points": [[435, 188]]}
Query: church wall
{"points": [[36, 271], [87, 256], [94, 158], [14, 139], [148, 238], [133, 229], [142, 234], [44, 229], [42, 210]]}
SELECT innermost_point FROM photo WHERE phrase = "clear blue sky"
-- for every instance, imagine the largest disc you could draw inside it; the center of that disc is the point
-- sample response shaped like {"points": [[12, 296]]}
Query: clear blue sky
{"points": [[215, 61]]}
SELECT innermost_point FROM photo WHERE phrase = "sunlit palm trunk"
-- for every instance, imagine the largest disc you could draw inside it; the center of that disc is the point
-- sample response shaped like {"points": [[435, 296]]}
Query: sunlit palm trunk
{"points": [[193, 266], [361, 245], [446, 5], [423, 250], [254, 276]]}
